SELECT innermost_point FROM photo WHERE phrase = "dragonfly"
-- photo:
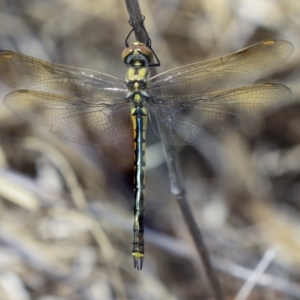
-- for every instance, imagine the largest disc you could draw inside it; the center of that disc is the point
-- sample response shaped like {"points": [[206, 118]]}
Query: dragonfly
{"points": [[186, 105]]}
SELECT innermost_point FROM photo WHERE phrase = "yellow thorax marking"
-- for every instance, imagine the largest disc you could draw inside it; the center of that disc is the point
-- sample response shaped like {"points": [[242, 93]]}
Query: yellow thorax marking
{"points": [[137, 254], [134, 74]]}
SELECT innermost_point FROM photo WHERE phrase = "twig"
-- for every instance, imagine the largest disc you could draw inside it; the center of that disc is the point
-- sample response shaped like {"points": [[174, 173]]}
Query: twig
{"points": [[256, 275], [178, 190], [278, 284], [136, 20], [177, 185]]}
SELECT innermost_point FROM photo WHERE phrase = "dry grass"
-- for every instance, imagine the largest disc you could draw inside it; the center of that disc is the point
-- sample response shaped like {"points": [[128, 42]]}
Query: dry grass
{"points": [[66, 211]]}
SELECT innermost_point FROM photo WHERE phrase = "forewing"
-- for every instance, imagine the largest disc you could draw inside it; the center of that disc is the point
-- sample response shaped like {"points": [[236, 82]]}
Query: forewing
{"points": [[21, 71], [195, 118], [82, 106], [238, 69], [80, 114]]}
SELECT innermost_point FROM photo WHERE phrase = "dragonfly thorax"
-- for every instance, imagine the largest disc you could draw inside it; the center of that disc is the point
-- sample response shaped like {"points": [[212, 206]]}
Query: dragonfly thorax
{"points": [[136, 82]]}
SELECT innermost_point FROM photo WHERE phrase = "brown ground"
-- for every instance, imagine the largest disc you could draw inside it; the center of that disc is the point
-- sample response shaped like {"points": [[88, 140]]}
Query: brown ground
{"points": [[66, 210]]}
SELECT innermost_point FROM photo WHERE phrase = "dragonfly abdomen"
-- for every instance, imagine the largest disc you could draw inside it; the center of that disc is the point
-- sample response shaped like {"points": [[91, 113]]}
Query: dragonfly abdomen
{"points": [[139, 117]]}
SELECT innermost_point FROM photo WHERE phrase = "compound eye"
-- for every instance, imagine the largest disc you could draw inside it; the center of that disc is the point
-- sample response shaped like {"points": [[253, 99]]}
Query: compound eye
{"points": [[146, 52], [126, 52]]}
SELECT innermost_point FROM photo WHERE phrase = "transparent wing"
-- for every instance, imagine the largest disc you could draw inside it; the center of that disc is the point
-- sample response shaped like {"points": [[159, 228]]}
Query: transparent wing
{"points": [[82, 106], [240, 68], [20, 71], [196, 118], [78, 113]]}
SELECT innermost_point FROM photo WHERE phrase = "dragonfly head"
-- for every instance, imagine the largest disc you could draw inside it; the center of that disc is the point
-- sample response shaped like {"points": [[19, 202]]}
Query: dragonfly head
{"points": [[137, 52]]}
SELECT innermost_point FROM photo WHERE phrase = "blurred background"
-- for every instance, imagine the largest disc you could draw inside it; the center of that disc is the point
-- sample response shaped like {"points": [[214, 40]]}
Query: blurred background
{"points": [[66, 210]]}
